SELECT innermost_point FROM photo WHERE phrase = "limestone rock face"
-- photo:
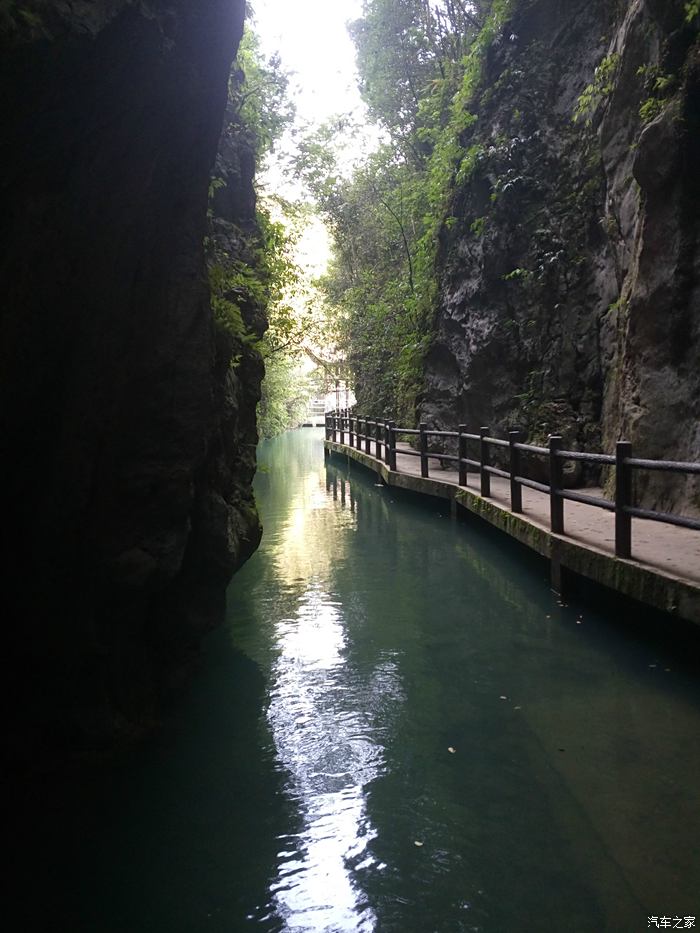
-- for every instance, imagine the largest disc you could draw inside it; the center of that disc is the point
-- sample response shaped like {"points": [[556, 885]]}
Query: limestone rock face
{"points": [[127, 441], [569, 270]]}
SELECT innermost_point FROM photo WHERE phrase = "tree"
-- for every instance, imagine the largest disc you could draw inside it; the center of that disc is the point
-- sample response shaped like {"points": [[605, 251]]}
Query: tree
{"points": [[419, 62]]}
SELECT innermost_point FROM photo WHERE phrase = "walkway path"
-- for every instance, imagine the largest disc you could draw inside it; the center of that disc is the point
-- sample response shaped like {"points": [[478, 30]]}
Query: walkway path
{"points": [[662, 547], [664, 570]]}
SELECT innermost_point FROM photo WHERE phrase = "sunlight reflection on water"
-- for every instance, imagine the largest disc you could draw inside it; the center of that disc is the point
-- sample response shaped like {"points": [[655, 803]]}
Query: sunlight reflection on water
{"points": [[406, 733], [324, 717], [439, 721], [326, 742]]}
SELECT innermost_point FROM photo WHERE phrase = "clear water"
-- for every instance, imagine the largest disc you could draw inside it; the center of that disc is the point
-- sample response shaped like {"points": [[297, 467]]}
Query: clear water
{"points": [[400, 730]]}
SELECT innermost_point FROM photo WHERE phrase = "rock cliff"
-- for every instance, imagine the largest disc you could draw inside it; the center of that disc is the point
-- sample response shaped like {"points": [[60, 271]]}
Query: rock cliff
{"points": [[128, 439], [568, 272]]}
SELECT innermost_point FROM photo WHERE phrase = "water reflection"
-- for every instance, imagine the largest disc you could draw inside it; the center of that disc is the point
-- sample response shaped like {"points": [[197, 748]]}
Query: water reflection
{"points": [[424, 686], [398, 678], [330, 753], [309, 538], [322, 714]]}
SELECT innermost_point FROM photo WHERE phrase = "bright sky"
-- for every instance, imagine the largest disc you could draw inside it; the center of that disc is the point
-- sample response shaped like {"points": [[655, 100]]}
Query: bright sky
{"points": [[313, 43], [312, 39]]}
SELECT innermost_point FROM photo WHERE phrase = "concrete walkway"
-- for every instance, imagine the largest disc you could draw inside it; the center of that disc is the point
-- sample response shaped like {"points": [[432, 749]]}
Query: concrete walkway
{"points": [[667, 548], [664, 570]]}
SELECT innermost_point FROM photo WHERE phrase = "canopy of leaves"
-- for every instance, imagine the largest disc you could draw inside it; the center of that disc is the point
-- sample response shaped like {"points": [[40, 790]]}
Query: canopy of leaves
{"points": [[420, 62], [259, 91], [271, 277], [287, 392]]}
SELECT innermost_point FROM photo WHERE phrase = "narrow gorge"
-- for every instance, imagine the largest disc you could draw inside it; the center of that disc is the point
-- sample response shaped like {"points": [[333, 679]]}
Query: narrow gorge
{"points": [[520, 251], [333, 602]]}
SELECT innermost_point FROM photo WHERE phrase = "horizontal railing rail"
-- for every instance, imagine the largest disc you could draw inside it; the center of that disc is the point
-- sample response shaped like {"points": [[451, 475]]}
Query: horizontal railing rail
{"points": [[382, 435]]}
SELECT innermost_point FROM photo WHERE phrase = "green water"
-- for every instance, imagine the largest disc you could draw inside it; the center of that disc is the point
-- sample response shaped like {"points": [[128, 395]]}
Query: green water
{"points": [[399, 730]]}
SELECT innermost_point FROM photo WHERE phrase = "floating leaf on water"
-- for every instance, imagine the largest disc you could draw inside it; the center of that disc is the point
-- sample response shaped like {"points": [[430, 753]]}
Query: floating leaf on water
{"points": [[451, 750], [517, 707], [417, 843], [503, 698]]}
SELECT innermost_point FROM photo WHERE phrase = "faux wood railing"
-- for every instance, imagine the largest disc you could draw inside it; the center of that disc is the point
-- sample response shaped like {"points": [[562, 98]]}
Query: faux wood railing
{"points": [[383, 436]]}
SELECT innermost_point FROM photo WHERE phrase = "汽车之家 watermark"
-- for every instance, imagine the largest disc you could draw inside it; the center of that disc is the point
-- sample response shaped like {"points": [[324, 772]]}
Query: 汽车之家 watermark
{"points": [[671, 923]]}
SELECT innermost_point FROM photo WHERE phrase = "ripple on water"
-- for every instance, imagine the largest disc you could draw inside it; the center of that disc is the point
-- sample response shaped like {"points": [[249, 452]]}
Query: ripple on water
{"points": [[458, 756], [323, 724]]}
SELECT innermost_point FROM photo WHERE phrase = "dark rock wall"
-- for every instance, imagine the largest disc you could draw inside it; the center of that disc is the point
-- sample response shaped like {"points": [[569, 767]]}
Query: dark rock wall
{"points": [[127, 441], [568, 276], [651, 337]]}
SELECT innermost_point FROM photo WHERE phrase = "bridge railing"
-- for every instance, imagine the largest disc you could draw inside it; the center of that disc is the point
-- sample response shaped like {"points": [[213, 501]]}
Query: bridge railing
{"points": [[380, 439]]}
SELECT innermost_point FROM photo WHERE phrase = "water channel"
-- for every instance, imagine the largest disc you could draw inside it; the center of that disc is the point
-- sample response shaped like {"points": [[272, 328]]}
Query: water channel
{"points": [[400, 730]]}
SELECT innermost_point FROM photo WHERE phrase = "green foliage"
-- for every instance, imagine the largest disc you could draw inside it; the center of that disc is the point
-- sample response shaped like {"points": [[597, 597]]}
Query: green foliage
{"points": [[261, 281], [285, 396], [297, 323], [515, 274], [215, 184], [478, 226], [420, 67], [250, 270], [659, 86], [650, 109], [692, 10], [451, 164], [376, 283], [619, 305], [599, 90], [281, 275], [395, 65], [532, 390], [259, 92]]}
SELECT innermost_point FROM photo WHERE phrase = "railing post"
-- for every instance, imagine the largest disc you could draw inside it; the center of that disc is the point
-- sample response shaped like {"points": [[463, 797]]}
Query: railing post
{"points": [[341, 428], [623, 497], [423, 449], [484, 461], [334, 420], [462, 453], [351, 439], [516, 490], [387, 457], [392, 446], [378, 439], [556, 475], [368, 440]]}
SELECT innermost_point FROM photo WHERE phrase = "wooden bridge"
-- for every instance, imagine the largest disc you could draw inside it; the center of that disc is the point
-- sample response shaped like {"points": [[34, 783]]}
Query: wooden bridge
{"points": [[315, 415], [651, 556]]}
